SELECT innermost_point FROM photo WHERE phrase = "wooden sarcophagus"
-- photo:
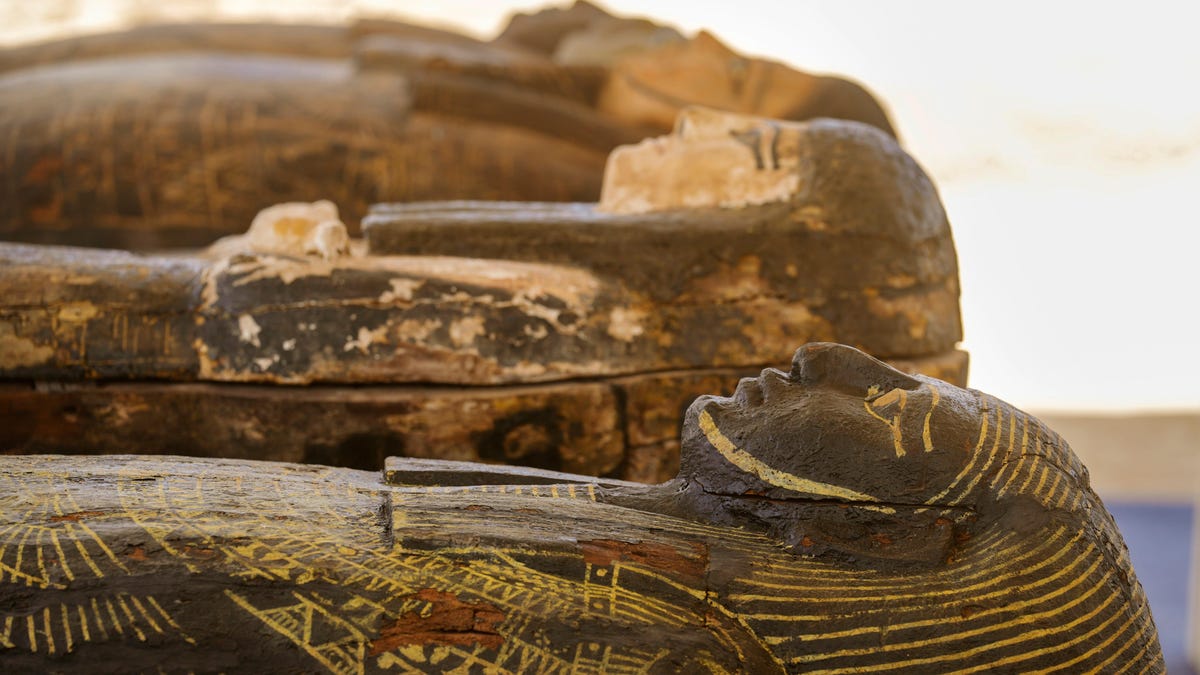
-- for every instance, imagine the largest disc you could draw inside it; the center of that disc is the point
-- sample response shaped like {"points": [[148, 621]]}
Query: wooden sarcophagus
{"points": [[172, 136], [842, 516], [563, 336]]}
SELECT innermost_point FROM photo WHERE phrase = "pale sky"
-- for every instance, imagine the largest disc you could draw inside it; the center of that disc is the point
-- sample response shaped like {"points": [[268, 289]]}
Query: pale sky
{"points": [[1064, 137]]}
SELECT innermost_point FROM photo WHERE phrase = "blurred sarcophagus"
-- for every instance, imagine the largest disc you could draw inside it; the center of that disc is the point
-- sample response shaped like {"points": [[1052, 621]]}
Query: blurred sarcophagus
{"points": [[562, 336]]}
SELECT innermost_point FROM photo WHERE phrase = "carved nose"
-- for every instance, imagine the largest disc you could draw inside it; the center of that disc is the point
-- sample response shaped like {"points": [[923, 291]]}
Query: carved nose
{"points": [[845, 367]]}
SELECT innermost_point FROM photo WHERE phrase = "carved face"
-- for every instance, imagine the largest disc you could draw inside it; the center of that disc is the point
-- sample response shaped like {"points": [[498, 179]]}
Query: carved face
{"points": [[841, 426]]}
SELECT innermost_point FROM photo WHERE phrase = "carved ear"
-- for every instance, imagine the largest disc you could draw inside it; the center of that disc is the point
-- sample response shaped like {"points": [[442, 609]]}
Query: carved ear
{"points": [[916, 535]]}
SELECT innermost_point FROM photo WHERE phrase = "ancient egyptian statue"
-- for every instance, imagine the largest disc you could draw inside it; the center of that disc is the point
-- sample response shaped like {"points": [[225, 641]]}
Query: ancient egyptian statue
{"points": [[171, 136], [563, 336], [842, 516]]}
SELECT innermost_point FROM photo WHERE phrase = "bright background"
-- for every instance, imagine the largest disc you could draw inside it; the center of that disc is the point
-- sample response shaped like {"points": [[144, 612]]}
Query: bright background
{"points": [[1065, 138]]}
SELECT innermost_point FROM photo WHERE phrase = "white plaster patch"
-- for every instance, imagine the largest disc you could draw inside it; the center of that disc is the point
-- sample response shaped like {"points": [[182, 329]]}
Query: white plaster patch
{"points": [[625, 324], [248, 330], [713, 159], [402, 290], [366, 338], [464, 331]]}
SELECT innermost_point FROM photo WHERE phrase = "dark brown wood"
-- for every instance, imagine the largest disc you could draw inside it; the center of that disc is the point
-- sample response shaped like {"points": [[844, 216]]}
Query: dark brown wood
{"points": [[842, 516]]}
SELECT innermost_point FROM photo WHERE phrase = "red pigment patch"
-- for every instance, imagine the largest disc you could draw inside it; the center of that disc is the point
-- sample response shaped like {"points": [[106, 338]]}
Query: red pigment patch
{"points": [[604, 552], [76, 516], [450, 621]]}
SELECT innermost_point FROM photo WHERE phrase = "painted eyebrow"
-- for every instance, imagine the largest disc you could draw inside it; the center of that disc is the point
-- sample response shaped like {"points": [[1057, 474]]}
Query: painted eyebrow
{"points": [[750, 464]]}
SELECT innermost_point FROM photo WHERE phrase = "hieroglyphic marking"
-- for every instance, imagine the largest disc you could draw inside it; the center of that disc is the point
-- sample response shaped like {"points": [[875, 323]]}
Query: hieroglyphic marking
{"points": [[342, 654]]}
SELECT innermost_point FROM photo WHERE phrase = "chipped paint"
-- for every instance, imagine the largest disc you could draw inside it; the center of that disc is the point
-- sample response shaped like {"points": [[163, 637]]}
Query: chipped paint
{"points": [[249, 330], [19, 352], [402, 290], [366, 337], [77, 312], [626, 323], [464, 331]]}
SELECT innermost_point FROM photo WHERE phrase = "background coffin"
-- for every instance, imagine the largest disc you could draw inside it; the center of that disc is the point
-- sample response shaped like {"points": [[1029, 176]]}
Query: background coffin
{"points": [[172, 136]]}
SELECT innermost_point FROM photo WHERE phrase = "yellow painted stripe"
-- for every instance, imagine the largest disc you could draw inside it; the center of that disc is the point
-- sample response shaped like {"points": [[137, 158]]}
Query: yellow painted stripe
{"points": [[979, 474], [957, 654], [66, 622], [1026, 655], [983, 430], [1004, 591], [746, 462], [993, 579], [1099, 649]]}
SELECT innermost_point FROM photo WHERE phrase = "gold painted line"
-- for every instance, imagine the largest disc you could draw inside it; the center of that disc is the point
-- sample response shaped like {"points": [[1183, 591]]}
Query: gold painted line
{"points": [[17, 575], [32, 633], [982, 550], [989, 572], [104, 547], [748, 463], [591, 490], [62, 556], [966, 471], [140, 608], [1007, 590], [993, 455], [66, 622], [1099, 649], [1053, 487], [6, 637], [571, 491], [1046, 470], [85, 555], [132, 624], [41, 561], [998, 479], [1025, 655], [1140, 636], [612, 589], [83, 623], [554, 491], [1036, 468], [933, 404], [306, 622], [21, 555], [274, 625], [1037, 442], [112, 612], [50, 648], [949, 654], [99, 619]]}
